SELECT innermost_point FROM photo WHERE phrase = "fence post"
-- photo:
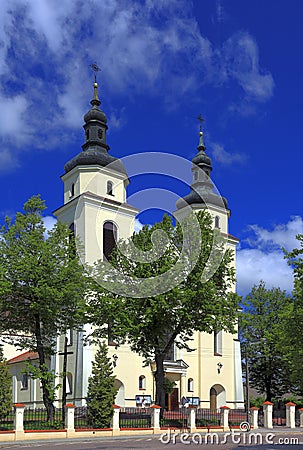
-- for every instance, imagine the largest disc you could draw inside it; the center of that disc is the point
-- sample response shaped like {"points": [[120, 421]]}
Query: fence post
{"points": [[192, 420], [224, 418], [254, 417], [115, 425], [18, 420], [301, 416], [290, 415], [155, 418], [70, 419], [267, 408]]}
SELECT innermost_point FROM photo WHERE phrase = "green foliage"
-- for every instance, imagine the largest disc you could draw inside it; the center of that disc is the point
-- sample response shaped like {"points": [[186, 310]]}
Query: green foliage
{"points": [[46, 376], [101, 390], [5, 388], [258, 401], [169, 386], [42, 284], [152, 320], [293, 320], [261, 331]]}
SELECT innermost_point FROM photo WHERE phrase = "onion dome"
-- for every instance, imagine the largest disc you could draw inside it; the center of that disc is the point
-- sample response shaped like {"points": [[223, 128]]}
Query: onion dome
{"points": [[202, 187], [95, 148]]}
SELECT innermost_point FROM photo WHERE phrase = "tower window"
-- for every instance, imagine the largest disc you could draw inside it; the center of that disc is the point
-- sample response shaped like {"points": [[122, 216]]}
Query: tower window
{"points": [[190, 385], [87, 135], [100, 133], [24, 381], [142, 382], [72, 190], [196, 176], [217, 222], [109, 239], [109, 189], [218, 343]]}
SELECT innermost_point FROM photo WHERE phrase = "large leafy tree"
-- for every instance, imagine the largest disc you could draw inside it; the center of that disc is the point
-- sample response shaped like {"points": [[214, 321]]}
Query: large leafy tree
{"points": [[42, 286], [262, 326], [157, 294], [293, 320], [101, 390]]}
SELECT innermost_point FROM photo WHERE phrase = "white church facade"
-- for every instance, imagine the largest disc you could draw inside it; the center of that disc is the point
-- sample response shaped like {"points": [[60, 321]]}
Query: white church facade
{"points": [[95, 207]]}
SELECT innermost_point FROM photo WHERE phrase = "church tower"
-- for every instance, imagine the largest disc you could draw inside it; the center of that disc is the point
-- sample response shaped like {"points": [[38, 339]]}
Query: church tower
{"points": [[218, 356], [96, 210], [95, 184]]}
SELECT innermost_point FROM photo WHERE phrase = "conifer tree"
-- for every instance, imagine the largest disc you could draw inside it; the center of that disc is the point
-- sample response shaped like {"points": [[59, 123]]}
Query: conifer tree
{"points": [[101, 390], [5, 387]]}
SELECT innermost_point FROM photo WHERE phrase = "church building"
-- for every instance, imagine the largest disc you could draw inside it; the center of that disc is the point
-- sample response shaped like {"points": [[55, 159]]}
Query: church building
{"points": [[95, 208]]}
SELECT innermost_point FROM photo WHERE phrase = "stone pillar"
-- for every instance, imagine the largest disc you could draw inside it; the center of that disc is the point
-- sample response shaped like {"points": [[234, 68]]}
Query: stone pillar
{"points": [[115, 425], [291, 415], [155, 418], [70, 419], [192, 420], [267, 408], [224, 418], [254, 411], [301, 417], [18, 421]]}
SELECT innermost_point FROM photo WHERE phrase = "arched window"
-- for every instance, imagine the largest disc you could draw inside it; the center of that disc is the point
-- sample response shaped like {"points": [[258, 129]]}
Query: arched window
{"points": [[100, 133], [87, 134], [190, 385], [72, 190], [109, 238], [142, 382], [217, 222], [109, 189]]}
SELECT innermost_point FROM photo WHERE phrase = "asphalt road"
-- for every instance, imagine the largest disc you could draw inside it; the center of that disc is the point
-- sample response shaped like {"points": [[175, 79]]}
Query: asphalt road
{"points": [[241, 441]]}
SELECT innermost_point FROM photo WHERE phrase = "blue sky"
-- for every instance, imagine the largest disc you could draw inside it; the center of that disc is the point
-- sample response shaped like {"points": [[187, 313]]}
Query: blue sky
{"points": [[236, 62]]}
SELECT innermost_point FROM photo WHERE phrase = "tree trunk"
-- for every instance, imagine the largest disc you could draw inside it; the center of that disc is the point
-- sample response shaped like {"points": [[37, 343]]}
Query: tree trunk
{"points": [[42, 366], [159, 377]]}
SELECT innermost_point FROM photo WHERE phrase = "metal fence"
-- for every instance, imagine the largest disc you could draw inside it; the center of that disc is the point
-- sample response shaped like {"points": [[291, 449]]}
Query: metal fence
{"points": [[36, 419], [261, 417], [175, 419], [279, 416], [81, 417], [206, 417], [135, 418], [236, 417], [7, 422]]}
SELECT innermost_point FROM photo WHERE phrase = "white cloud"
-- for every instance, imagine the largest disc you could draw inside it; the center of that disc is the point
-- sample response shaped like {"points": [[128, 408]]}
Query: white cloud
{"points": [[8, 161], [264, 258], [49, 222], [254, 265], [155, 47], [138, 225], [241, 55], [224, 157]]}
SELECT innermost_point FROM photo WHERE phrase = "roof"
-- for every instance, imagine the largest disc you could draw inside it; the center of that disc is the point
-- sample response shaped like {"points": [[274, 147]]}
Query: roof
{"points": [[24, 357]]}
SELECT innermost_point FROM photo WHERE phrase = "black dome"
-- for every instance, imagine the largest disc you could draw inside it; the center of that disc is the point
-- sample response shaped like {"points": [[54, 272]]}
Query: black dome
{"points": [[95, 157], [95, 114], [201, 158], [208, 198]]}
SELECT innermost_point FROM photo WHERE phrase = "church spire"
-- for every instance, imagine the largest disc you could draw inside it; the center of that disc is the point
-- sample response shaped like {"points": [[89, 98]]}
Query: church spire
{"points": [[95, 121]]}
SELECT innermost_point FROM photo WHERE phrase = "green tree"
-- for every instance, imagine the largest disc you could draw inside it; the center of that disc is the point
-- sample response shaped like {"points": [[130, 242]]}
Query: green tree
{"points": [[42, 286], [101, 390], [261, 332], [293, 320], [177, 300], [5, 387]]}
